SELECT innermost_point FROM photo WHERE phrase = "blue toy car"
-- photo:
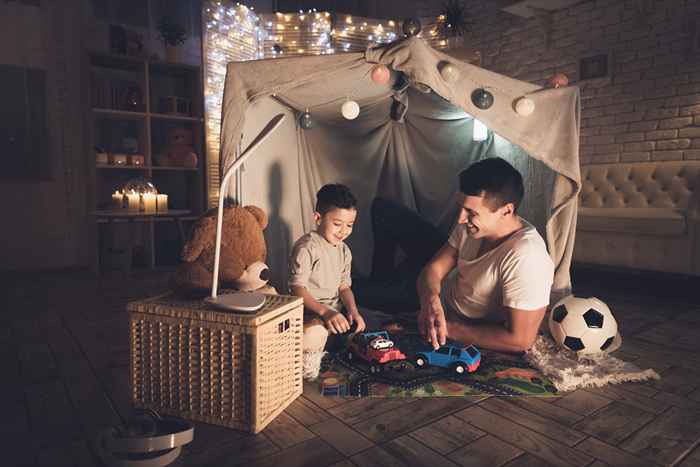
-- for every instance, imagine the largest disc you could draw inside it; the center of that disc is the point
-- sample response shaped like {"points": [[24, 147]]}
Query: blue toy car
{"points": [[461, 359]]}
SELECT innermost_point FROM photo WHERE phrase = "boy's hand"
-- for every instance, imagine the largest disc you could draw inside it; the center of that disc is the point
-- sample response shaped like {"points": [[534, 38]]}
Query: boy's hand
{"points": [[355, 317], [335, 321]]}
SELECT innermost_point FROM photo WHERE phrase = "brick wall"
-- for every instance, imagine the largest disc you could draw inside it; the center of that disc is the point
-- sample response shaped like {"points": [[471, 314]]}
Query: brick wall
{"points": [[649, 106]]}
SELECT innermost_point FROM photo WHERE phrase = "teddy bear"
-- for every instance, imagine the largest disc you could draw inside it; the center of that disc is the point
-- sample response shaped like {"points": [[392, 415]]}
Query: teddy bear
{"points": [[242, 258], [180, 152]]}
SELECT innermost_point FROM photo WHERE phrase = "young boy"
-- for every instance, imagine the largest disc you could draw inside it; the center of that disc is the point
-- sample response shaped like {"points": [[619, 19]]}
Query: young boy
{"points": [[319, 272]]}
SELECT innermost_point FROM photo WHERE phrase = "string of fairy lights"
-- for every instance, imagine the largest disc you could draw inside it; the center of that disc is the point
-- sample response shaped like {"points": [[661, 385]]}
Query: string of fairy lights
{"points": [[234, 32]]}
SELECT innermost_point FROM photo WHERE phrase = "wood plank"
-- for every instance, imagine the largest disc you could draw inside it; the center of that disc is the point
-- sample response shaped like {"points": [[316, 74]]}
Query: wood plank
{"points": [[660, 357], [76, 454], [355, 411], [115, 380], [533, 421], [91, 403], [677, 380], [582, 402], [695, 395], [645, 388], [215, 445], [447, 434], [339, 435], [664, 439], [306, 412], [486, 450], [401, 452], [528, 460], [611, 454], [105, 342], [18, 450], [392, 424], [617, 393], [547, 409], [411, 453], [672, 334], [692, 460], [37, 362], [51, 414], [615, 422], [676, 400], [92, 406], [284, 431], [343, 463], [530, 441], [311, 453], [312, 393]]}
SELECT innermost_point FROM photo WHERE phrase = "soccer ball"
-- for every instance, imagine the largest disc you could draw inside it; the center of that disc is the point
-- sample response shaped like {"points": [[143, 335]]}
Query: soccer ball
{"points": [[583, 325]]}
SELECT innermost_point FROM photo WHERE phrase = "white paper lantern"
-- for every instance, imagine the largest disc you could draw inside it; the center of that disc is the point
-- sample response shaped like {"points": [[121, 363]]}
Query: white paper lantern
{"points": [[350, 110], [524, 106]]}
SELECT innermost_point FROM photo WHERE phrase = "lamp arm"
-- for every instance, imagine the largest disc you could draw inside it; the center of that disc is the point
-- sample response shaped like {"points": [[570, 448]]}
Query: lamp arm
{"points": [[272, 124]]}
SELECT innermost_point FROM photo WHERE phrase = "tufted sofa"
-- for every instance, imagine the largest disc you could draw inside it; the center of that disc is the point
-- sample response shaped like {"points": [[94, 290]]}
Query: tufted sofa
{"points": [[640, 215]]}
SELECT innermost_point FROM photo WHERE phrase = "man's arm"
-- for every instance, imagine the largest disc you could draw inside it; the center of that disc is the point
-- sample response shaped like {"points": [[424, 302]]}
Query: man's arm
{"points": [[431, 317], [515, 336]]}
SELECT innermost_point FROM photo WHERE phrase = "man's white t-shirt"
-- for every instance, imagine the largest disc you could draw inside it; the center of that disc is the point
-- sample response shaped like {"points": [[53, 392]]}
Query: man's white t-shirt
{"points": [[518, 273]]}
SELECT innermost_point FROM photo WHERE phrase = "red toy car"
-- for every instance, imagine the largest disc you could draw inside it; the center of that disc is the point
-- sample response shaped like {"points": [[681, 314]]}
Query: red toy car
{"points": [[374, 347]]}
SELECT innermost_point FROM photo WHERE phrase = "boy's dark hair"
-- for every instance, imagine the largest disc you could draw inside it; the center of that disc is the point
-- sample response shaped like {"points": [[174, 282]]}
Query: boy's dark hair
{"points": [[494, 179], [334, 195]]}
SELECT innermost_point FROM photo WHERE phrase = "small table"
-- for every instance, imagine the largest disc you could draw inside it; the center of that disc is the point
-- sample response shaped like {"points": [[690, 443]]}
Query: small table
{"points": [[111, 215]]}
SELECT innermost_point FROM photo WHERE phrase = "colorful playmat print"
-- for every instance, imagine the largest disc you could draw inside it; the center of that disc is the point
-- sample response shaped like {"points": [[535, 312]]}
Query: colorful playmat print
{"points": [[343, 373]]}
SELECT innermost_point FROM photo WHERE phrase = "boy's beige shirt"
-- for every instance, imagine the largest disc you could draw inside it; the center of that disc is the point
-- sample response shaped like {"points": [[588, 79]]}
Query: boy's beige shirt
{"points": [[321, 267]]}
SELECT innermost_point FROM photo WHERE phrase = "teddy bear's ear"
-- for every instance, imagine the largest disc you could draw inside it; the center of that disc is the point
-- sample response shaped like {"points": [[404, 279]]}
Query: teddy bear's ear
{"points": [[259, 215]]}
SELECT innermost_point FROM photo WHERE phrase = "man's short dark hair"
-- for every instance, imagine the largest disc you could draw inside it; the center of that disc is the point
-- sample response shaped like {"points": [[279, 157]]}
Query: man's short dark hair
{"points": [[334, 195], [494, 179]]}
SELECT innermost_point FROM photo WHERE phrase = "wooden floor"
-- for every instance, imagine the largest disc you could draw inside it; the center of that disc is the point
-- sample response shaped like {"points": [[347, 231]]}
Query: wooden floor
{"points": [[64, 359]]}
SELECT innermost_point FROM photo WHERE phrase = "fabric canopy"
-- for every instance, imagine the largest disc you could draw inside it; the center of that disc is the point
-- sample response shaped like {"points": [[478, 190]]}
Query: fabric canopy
{"points": [[412, 158]]}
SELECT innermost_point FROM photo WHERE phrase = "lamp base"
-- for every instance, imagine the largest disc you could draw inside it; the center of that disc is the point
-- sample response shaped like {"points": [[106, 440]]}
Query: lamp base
{"points": [[238, 301]]}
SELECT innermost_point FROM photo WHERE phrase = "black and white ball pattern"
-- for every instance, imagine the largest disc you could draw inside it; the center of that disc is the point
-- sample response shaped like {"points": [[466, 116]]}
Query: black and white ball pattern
{"points": [[582, 325]]}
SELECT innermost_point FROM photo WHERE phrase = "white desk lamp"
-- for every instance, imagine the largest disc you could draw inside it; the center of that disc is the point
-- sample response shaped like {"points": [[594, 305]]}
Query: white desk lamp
{"points": [[240, 301]]}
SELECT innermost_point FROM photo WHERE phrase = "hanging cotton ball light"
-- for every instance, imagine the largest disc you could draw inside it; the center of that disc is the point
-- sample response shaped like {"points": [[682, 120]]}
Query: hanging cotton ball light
{"points": [[411, 27], [350, 110], [305, 120], [482, 99], [380, 74], [448, 71], [559, 80], [524, 106]]}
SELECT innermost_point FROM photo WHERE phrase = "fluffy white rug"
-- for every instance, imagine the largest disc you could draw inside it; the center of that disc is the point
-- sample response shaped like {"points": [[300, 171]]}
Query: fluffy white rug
{"points": [[568, 371]]}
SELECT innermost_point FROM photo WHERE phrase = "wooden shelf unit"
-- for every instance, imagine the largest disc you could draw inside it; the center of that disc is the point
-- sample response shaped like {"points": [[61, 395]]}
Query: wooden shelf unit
{"points": [[127, 115]]}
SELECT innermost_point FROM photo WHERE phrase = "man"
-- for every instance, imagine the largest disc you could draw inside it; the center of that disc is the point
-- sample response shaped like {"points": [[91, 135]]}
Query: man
{"points": [[489, 284]]}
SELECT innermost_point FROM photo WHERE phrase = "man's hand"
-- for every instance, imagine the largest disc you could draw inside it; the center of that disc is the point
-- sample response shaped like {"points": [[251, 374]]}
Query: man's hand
{"points": [[431, 322], [336, 323], [355, 317]]}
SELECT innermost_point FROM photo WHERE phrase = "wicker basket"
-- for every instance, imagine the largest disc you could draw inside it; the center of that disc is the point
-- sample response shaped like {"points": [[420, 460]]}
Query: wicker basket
{"points": [[193, 361]]}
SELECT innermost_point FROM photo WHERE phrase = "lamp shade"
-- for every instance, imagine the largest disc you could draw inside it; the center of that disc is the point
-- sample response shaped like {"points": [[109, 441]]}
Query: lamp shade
{"points": [[231, 301]]}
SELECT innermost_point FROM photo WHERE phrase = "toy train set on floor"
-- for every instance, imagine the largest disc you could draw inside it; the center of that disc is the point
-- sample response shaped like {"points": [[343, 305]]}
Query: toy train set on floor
{"points": [[378, 363]]}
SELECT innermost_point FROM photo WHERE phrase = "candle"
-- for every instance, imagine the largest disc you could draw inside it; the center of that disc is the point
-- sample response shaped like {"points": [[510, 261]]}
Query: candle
{"points": [[117, 200], [149, 202], [133, 201], [162, 202]]}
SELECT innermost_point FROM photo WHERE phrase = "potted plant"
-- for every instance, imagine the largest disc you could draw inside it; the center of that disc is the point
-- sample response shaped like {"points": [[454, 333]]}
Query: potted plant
{"points": [[454, 22], [172, 34]]}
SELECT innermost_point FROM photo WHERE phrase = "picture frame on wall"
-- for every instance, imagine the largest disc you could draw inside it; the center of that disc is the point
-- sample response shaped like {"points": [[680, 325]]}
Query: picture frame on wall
{"points": [[594, 66]]}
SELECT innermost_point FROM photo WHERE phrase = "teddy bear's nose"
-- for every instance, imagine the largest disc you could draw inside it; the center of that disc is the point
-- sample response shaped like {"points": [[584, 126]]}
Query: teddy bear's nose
{"points": [[265, 274]]}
